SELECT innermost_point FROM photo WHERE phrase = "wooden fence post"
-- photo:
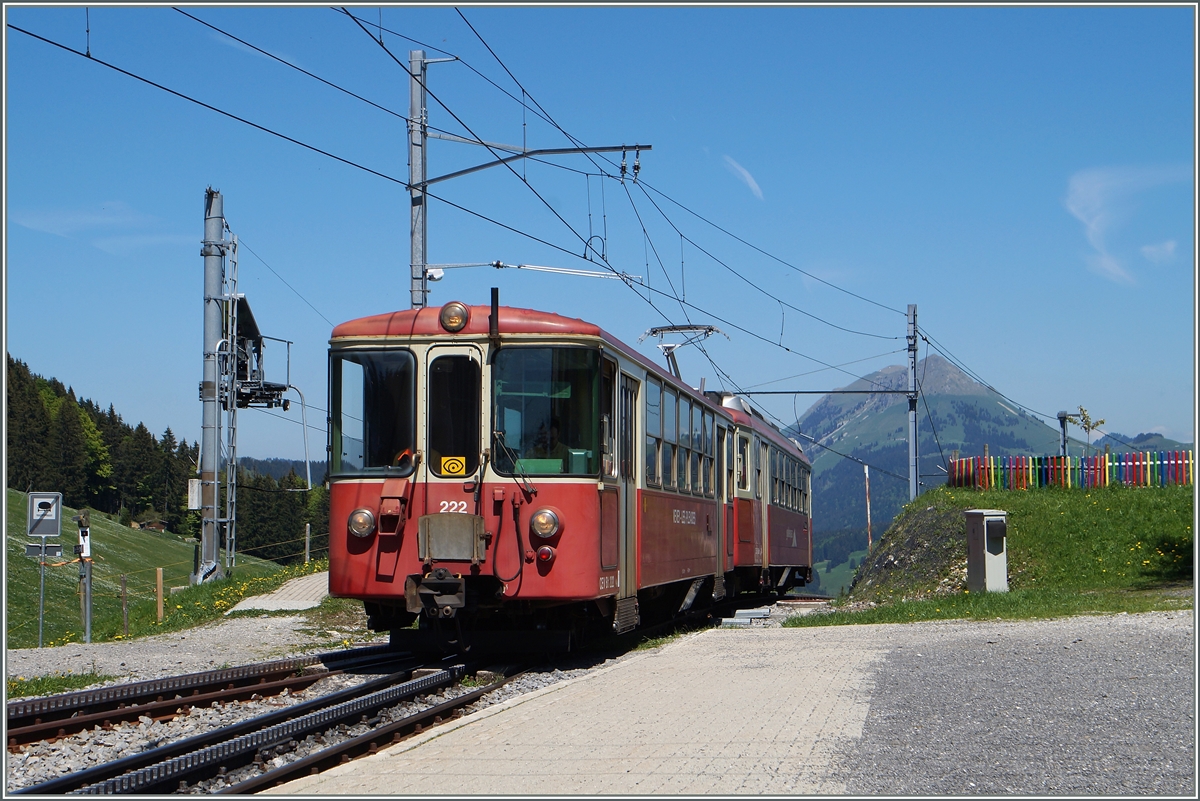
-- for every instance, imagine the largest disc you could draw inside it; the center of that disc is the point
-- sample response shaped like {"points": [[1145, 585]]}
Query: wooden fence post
{"points": [[158, 592]]}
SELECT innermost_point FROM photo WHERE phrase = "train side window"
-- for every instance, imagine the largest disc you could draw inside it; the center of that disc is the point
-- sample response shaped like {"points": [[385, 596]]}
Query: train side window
{"points": [[730, 465], [608, 371], [758, 468], [785, 464], [806, 495], [721, 462], [697, 447], [743, 463], [669, 401], [685, 444], [653, 429], [708, 462], [791, 483], [785, 480], [776, 476]]}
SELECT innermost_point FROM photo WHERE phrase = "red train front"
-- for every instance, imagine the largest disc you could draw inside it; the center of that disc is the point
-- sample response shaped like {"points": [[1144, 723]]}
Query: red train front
{"points": [[505, 469]]}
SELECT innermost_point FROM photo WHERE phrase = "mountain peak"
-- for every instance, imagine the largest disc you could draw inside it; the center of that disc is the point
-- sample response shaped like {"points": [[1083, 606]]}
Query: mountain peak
{"points": [[935, 376]]}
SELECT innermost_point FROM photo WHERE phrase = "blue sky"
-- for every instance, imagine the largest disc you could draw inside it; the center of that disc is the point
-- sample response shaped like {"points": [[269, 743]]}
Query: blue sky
{"points": [[1025, 175]]}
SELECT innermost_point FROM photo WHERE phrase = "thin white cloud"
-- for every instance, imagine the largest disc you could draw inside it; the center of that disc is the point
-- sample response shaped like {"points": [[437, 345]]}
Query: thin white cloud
{"points": [[1160, 253], [236, 45], [126, 245], [113, 214], [1098, 197], [745, 176]]}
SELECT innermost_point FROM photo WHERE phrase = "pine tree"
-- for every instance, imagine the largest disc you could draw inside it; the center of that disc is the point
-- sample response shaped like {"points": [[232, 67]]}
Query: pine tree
{"points": [[100, 469], [69, 454], [28, 431], [255, 515], [135, 464], [316, 514], [184, 461], [289, 519], [164, 481]]}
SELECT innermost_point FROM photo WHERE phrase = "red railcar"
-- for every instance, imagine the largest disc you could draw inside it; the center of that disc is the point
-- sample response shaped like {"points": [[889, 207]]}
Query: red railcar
{"points": [[509, 469]]}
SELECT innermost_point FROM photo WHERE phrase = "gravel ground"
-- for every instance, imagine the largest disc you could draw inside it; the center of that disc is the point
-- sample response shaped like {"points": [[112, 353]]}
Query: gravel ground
{"points": [[1083, 705], [228, 642], [1076, 706]]}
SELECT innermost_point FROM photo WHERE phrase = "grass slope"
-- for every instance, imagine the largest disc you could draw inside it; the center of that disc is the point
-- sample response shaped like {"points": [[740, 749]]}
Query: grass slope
{"points": [[836, 578], [966, 423], [1069, 551], [116, 550]]}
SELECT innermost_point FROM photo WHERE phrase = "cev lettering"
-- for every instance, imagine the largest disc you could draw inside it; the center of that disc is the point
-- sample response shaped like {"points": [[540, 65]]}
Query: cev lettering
{"points": [[683, 516]]}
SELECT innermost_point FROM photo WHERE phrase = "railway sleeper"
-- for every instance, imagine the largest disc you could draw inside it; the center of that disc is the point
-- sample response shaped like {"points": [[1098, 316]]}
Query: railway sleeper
{"points": [[364, 744], [168, 763]]}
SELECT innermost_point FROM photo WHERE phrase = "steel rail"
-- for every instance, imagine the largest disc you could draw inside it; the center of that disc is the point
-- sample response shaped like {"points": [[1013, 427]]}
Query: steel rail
{"points": [[160, 709], [365, 744], [100, 773], [166, 776], [26, 712]]}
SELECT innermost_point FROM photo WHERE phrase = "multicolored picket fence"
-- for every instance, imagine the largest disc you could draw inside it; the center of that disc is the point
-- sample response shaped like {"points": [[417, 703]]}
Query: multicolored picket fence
{"points": [[1145, 469]]}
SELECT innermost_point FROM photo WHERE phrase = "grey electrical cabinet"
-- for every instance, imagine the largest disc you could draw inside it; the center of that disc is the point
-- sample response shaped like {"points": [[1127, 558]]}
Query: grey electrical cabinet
{"points": [[987, 550]]}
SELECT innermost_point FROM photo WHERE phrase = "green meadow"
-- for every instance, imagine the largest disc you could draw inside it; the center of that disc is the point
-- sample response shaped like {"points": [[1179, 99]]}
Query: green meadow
{"points": [[1069, 551]]}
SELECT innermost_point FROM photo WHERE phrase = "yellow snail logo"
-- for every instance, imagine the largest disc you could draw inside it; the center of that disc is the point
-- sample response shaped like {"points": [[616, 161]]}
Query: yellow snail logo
{"points": [[454, 465]]}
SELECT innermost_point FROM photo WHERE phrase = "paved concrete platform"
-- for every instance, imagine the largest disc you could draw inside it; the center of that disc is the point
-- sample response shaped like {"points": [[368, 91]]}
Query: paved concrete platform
{"points": [[1081, 706], [726, 711], [304, 592]]}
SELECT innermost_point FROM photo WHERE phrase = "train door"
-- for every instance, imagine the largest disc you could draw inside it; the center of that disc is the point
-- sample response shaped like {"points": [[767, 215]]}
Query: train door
{"points": [[611, 513], [763, 496], [453, 424], [727, 500], [625, 505], [746, 555], [627, 469], [722, 529]]}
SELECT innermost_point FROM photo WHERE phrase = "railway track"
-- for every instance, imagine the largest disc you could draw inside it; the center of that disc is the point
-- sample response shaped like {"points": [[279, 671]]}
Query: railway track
{"points": [[206, 756], [380, 736], [58, 716], [276, 747]]}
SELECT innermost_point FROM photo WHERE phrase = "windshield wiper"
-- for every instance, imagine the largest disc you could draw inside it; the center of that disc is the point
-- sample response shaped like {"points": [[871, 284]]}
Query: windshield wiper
{"points": [[525, 481]]}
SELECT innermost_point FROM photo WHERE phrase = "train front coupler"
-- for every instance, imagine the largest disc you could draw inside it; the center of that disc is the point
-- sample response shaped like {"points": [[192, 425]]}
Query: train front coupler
{"points": [[438, 593]]}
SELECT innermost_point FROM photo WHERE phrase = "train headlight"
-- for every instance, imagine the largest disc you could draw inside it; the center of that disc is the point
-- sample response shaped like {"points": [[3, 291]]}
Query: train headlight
{"points": [[453, 317], [361, 522], [544, 523]]}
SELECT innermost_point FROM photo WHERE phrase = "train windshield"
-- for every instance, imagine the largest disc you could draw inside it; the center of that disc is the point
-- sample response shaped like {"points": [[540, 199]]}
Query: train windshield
{"points": [[545, 411], [372, 415]]}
